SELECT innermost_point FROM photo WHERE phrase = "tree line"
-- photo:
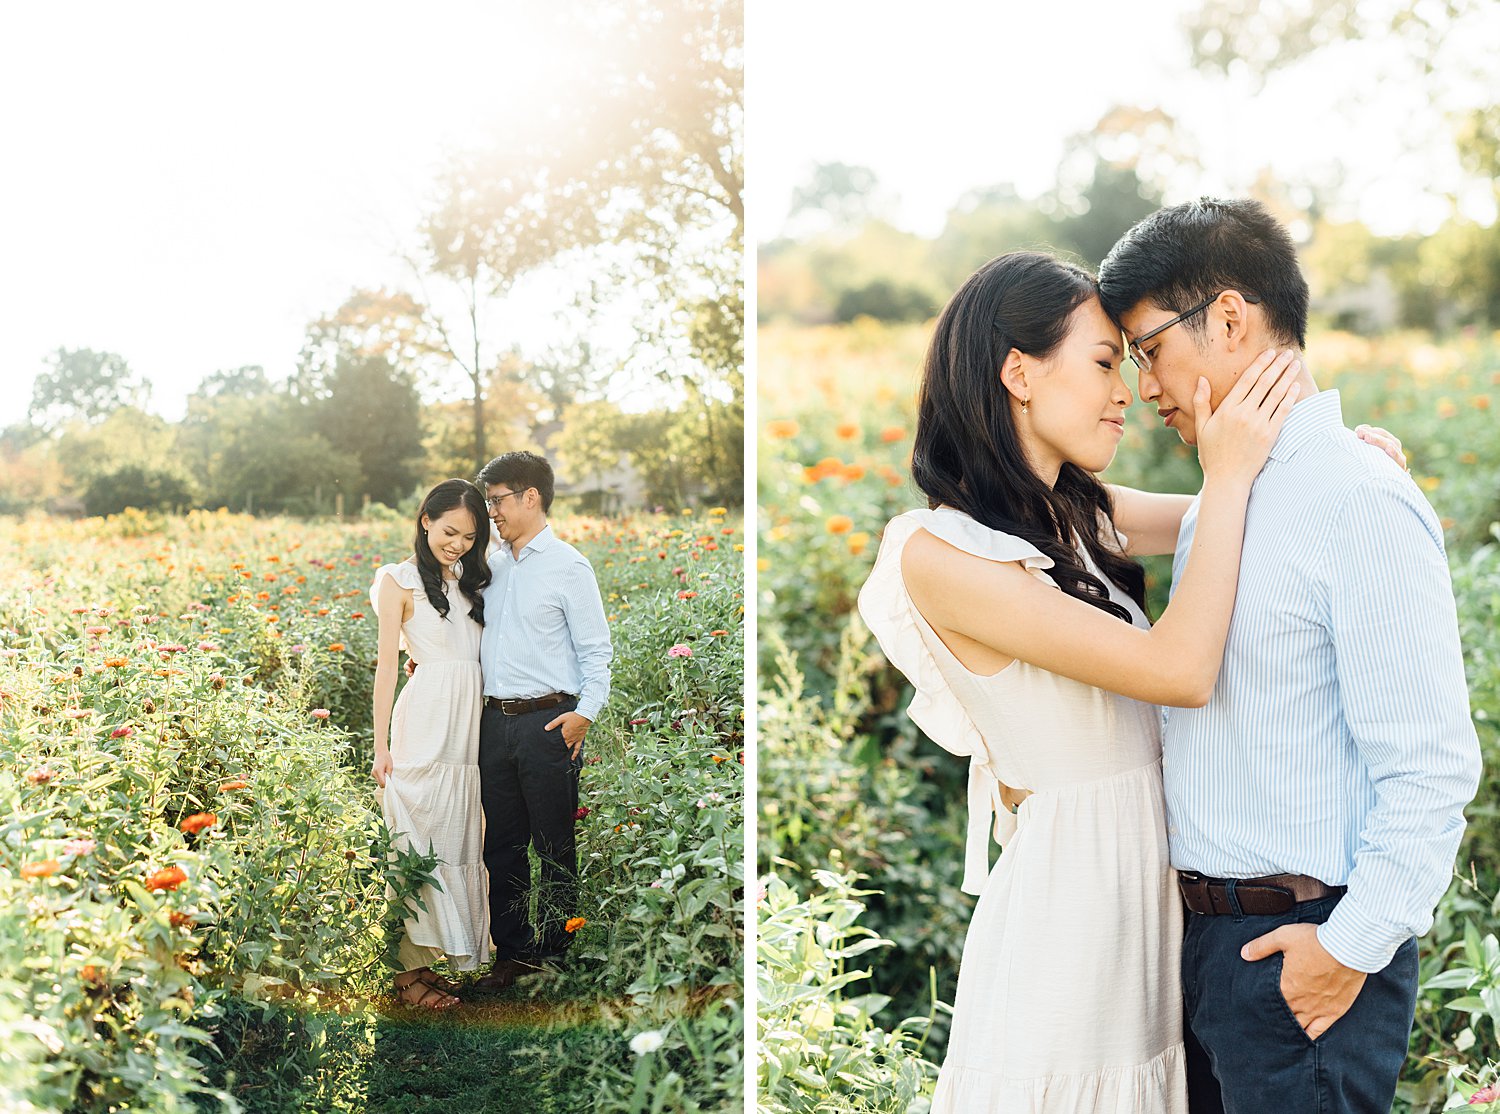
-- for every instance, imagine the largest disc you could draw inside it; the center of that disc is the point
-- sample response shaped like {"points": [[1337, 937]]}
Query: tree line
{"points": [[633, 177]]}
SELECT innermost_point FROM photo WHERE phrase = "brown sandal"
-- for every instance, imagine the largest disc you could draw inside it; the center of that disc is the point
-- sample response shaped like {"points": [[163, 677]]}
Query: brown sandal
{"points": [[425, 999], [435, 980]]}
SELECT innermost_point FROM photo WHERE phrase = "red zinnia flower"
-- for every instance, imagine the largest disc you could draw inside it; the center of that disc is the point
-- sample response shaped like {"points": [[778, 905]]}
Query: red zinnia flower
{"points": [[198, 821], [169, 878]]}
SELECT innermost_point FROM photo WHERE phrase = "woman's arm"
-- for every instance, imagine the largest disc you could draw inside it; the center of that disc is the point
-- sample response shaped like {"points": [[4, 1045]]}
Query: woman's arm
{"points": [[394, 608], [1149, 520], [1007, 610]]}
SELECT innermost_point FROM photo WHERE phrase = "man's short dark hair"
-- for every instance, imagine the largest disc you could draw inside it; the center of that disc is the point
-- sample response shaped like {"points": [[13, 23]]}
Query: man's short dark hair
{"points": [[518, 471], [1186, 254]]}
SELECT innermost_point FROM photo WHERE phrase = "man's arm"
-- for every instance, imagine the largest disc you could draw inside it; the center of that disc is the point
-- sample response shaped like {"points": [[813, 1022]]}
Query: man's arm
{"points": [[1402, 689], [589, 630], [1405, 700]]}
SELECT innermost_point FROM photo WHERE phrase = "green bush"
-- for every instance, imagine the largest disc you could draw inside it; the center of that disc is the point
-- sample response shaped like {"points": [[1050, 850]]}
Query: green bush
{"points": [[820, 1050]]}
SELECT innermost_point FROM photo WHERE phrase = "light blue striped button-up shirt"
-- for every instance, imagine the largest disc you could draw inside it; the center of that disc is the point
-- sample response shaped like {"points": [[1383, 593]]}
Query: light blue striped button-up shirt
{"points": [[544, 625], [1337, 742]]}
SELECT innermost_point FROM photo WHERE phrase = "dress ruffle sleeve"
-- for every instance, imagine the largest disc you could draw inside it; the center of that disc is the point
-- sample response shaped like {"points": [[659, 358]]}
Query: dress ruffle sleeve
{"points": [[404, 573], [888, 611]]}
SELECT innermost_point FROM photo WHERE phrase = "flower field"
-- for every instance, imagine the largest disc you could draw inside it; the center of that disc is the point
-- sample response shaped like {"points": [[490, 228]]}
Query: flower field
{"points": [[198, 899], [861, 833]]}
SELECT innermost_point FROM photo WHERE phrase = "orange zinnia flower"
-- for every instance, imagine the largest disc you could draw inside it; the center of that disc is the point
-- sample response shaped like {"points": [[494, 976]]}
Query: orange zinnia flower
{"points": [[839, 524], [228, 785], [44, 869], [336, 648], [116, 663], [168, 878], [892, 433], [782, 429], [198, 821], [574, 924]]}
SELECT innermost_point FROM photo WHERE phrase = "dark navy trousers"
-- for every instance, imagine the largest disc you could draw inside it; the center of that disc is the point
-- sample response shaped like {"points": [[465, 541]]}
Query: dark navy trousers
{"points": [[529, 789], [1246, 1053]]}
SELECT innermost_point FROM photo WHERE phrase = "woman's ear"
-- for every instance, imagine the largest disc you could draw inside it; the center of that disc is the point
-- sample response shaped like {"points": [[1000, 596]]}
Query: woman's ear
{"points": [[1013, 375]]}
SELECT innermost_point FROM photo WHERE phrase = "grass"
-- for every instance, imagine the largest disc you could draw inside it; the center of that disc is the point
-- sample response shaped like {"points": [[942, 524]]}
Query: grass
{"points": [[492, 1053]]}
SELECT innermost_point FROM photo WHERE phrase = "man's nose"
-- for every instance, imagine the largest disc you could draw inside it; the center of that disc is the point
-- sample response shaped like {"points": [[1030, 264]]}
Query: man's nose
{"points": [[1149, 388]]}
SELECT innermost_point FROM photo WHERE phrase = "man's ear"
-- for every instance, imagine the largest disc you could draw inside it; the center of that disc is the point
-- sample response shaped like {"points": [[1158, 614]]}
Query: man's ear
{"points": [[1013, 375], [1235, 313]]}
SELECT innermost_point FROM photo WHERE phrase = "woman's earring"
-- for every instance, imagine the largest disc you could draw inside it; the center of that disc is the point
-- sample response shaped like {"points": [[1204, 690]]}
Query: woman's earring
{"points": [[1025, 402]]}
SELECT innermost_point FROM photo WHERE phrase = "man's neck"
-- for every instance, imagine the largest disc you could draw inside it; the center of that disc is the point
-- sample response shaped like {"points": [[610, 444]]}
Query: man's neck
{"points": [[527, 538]]}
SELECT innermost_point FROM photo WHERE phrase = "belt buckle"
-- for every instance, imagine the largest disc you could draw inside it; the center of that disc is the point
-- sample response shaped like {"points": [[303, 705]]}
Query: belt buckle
{"points": [[1194, 889]]}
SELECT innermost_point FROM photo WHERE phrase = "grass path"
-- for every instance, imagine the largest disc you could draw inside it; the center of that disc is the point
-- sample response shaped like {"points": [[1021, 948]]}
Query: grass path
{"points": [[488, 1054]]}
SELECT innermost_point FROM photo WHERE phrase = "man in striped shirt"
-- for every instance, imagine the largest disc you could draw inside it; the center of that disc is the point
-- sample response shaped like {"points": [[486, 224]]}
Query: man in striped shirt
{"points": [[1315, 804], [545, 655]]}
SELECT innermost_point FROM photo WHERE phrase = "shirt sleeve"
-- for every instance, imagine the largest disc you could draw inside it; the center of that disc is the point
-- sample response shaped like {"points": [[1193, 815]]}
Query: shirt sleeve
{"points": [[589, 630], [1405, 702]]}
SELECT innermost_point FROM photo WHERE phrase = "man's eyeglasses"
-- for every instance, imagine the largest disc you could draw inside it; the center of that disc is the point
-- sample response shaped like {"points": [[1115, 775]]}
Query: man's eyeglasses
{"points": [[494, 501], [1137, 349]]}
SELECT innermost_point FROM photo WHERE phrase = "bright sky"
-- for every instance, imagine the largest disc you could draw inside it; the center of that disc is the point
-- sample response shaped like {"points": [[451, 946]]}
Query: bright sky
{"points": [[947, 95], [190, 184]]}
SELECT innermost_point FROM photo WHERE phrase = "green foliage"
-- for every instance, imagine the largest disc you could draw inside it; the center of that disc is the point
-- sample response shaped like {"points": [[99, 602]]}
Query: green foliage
{"points": [[83, 385], [820, 1049], [142, 486], [154, 669], [831, 793]]}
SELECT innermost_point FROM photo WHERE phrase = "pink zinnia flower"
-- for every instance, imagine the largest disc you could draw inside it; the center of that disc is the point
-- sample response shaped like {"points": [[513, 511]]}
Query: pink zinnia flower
{"points": [[207, 647], [320, 713], [1485, 1094], [78, 847], [121, 732], [681, 650]]}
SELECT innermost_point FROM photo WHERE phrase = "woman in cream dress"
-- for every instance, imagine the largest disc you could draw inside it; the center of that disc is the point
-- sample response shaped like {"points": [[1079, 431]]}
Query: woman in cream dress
{"points": [[432, 604], [1013, 609]]}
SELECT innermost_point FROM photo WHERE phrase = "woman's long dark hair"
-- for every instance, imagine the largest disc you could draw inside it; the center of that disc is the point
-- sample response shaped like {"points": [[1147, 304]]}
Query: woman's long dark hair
{"points": [[474, 568], [967, 453]]}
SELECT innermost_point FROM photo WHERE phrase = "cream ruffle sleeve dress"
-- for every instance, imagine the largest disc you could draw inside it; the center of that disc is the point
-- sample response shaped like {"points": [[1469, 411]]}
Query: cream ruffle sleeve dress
{"points": [[1069, 994], [431, 797]]}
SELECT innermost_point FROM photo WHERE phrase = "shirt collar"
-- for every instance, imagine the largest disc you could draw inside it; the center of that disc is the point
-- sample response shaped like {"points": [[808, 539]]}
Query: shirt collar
{"points": [[1308, 418], [544, 538]]}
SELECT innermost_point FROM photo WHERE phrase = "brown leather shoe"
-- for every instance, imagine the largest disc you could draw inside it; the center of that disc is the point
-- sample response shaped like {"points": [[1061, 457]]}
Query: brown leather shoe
{"points": [[504, 973]]}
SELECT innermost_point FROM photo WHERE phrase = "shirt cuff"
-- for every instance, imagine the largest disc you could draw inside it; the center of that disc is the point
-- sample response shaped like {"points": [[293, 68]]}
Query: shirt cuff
{"points": [[1361, 947], [589, 710]]}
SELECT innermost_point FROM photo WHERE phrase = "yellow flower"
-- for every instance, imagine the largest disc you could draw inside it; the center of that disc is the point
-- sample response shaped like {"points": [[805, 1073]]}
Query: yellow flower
{"points": [[857, 542], [839, 524]]}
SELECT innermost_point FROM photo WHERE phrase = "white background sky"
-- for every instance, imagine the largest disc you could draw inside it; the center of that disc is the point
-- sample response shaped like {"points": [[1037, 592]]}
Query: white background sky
{"points": [[943, 96], [190, 184]]}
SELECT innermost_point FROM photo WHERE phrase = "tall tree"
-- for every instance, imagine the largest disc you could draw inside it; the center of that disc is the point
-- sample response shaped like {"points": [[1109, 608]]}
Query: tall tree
{"points": [[637, 160], [81, 384]]}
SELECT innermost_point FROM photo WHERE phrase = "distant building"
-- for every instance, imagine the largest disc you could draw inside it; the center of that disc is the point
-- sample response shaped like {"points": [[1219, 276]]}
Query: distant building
{"points": [[613, 492]]}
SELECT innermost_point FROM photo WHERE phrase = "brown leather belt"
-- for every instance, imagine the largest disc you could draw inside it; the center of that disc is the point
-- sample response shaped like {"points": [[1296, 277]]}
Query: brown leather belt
{"points": [[521, 707], [1276, 893]]}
